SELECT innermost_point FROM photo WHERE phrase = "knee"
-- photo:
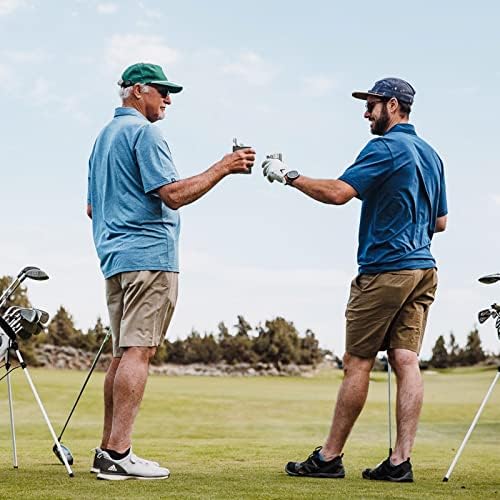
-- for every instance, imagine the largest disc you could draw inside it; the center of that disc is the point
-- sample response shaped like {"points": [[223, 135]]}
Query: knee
{"points": [[354, 364], [402, 359], [140, 354]]}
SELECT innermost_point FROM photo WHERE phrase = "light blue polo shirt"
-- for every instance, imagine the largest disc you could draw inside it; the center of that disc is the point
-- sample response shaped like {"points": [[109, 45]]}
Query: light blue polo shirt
{"points": [[400, 181], [133, 229]]}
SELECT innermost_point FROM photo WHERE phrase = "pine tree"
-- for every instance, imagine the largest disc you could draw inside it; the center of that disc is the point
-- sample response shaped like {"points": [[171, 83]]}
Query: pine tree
{"points": [[62, 331], [473, 352], [439, 354], [454, 351]]}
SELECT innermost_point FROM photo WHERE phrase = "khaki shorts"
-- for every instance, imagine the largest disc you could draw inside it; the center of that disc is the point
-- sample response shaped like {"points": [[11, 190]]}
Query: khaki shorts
{"points": [[389, 311], [140, 306]]}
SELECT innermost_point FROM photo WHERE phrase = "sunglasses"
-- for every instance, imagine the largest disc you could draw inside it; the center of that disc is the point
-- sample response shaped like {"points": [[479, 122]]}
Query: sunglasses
{"points": [[370, 106], [163, 91]]}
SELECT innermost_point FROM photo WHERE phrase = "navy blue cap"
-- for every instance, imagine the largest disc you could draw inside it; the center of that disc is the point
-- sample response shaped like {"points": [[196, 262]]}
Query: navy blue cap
{"points": [[389, 87]]}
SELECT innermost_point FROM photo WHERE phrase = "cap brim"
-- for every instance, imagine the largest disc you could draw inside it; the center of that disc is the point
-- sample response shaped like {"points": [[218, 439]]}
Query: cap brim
{"points": [[364, 95], [171, 86]]}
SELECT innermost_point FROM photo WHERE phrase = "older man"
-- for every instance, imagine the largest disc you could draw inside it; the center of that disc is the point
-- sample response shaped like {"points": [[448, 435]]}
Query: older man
{"points": [[400, 180], [134, 193]]}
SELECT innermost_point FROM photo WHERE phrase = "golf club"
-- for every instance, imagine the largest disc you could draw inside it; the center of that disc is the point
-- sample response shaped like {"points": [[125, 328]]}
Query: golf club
{"points": [[389, 374], [489, 279], [12, 336], [31, 272], [65, 449], [26, 321]]}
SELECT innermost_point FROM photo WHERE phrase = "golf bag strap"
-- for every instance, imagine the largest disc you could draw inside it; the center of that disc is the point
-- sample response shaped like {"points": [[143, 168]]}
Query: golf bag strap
{"points": [[7, 329]]}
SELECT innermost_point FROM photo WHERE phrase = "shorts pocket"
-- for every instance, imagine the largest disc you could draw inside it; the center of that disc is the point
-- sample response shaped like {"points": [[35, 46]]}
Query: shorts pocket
{"points": [[364, 281]]}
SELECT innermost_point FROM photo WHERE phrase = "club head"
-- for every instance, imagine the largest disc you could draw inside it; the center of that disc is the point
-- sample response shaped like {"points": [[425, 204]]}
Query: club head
{"points": [[483, 315], [66, 451], [25, 270], [28, 315], [43, 317], [27, 324], [489, 279], [36, 274]]}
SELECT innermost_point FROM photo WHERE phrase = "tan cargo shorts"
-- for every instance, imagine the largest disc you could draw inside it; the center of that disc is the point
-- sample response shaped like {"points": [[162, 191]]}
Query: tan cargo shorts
{"points": [[389, 311], [140, 306]]}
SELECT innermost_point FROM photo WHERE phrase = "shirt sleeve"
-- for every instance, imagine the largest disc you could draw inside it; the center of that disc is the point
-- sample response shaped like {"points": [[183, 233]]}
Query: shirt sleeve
{"points": [[443, 202], [154, 159], [370, 168]]}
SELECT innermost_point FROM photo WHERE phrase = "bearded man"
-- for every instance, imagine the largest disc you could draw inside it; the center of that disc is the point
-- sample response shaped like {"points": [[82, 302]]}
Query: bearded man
{"points": [[399, 179]]}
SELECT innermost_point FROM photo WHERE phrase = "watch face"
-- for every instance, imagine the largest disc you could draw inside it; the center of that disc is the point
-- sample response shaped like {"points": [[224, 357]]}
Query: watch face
{"points": [[292, 175]]}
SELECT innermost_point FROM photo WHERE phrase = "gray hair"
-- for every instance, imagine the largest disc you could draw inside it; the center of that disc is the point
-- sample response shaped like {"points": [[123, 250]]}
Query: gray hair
{"points": [[125, 92]]}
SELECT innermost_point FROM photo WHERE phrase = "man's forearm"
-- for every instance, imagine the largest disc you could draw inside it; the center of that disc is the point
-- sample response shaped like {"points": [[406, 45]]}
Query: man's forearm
{"points": [[331, 191], [185, 191]]}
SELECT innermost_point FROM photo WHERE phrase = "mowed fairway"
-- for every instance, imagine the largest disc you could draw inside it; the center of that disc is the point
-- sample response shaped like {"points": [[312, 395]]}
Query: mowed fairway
{"points": [[231, 437]]}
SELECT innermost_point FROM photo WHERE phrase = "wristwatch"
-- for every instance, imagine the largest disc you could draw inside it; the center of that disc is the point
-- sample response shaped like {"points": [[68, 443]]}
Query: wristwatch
{"points": [[291, 176]]}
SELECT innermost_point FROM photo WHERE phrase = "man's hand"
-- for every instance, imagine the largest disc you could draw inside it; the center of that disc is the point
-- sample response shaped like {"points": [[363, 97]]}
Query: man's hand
{"points": [[239, 162], [275, 170]]}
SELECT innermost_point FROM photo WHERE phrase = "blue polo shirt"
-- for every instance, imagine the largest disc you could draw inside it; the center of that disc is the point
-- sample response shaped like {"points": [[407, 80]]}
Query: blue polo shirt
{"points": [[133, 229], [400, 181]]}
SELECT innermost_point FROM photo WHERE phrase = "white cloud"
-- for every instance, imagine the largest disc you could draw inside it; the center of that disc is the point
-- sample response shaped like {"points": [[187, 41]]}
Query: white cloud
{"points": [[43, 95], [107, 8], [124, 50], [26, 56], [318, 85], [149, 12], [9, 6], [252, 68]]}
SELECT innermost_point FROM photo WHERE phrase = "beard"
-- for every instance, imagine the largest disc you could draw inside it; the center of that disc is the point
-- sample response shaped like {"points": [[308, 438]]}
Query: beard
{"points": [[379, 126]]}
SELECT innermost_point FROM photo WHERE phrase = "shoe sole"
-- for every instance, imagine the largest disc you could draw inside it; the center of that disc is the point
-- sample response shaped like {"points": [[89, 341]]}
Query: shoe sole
{"points": [[404, 479], [319, 475], [95, 470], [121, 477]]}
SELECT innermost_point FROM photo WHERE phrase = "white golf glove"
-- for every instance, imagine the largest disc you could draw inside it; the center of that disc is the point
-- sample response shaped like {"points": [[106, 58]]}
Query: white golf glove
{"points": [[275, 170]]}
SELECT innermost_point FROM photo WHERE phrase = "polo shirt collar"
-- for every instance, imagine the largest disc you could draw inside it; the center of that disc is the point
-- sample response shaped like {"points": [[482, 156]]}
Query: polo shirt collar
{"points": [[407, 128], [122, 111]]}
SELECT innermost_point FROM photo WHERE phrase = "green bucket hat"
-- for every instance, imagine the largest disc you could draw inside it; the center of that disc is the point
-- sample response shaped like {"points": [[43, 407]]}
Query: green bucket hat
{"points": [[147, 73]]}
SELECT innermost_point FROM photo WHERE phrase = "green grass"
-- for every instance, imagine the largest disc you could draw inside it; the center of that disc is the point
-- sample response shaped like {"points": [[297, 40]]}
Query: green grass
{"points": [[230, 438]]}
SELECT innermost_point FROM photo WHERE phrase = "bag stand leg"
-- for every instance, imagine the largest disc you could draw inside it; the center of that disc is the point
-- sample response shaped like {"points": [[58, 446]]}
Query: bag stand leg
{"points": [[42, 409], [12, 424], [471, 428]]}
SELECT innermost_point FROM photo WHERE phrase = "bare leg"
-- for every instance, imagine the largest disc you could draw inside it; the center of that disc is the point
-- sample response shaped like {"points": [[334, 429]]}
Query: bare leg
{"points": [[108, 400], [410, 395], [128, 389], [350, 401]]}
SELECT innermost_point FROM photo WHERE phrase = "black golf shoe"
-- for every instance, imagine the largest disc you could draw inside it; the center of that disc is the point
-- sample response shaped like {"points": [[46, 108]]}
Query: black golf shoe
{"points": [[315, 467], [385, 471]]}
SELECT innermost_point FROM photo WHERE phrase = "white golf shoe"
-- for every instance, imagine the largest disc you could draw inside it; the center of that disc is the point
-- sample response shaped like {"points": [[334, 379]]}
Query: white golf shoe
{"points": [[130, 467]]}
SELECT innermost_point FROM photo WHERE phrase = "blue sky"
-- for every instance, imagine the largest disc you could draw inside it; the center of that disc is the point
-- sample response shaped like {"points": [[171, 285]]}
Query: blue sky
{"points": [[277, 75]]}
